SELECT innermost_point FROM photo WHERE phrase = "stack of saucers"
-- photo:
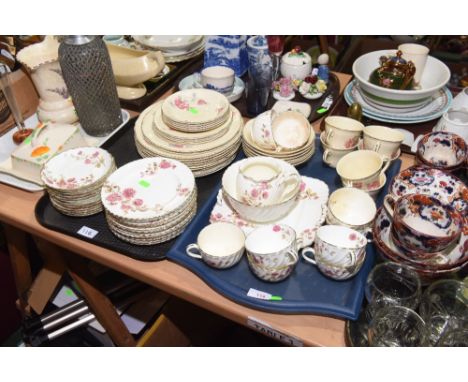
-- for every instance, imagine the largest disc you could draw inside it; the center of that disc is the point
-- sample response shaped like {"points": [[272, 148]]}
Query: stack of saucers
{"points": [[74, 179], [198, 127], [150, 200], [175, 48], [287, 136]]}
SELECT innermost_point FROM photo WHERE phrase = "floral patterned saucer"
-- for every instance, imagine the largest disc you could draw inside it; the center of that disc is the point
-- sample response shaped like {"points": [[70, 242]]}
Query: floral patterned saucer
{"points": [[76, 168], [195, 109], [437, 183], [147, 188], [306, 217]]}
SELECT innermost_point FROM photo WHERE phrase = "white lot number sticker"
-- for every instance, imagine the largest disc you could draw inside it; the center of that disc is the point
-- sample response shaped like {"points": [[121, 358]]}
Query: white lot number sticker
{"points": [[87, 232], [267, 330]]}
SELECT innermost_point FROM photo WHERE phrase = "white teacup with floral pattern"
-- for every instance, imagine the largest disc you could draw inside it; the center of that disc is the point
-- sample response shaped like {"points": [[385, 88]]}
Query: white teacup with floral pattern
{"points": [[220, 245], [339, 251], [362, 169], [272, 247], [261, 182], [382, 139], [261, 131], [342, 132]]}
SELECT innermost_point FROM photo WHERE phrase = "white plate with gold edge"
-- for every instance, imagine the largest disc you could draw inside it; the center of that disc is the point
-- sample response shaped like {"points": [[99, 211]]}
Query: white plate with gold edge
{"points": [[296, 161], [76, 168], [146, 136], [195, 158], [131, 221], [150, 239], [195, 106], [305, 218], [156, 230], [285, 156], [147, 188], [153, 232], [143, 128], [190, 156], [162, 129]]}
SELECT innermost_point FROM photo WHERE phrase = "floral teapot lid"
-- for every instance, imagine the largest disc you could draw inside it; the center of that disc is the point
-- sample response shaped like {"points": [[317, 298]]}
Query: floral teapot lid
{"points": [[296, 57]]}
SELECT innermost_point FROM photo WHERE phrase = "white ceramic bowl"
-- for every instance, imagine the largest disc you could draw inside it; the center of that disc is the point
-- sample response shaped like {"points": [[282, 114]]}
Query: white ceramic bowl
{"points": [[259, 214], [436, 75]]}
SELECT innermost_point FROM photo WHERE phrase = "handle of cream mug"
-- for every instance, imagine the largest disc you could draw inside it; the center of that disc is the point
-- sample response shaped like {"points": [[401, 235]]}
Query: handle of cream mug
{"points": [[159, 58], [377, 146], [286, 179], [293, 256], [329, 135], [304, 253], [189, 251], [387, 162], [389, 204], [325, 155]]}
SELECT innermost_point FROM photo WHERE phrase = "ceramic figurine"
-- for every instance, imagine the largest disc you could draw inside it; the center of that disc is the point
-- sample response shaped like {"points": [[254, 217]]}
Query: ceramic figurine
{"points": [[394, 73], [312, 87], [323, 70], [227, 51], [283, 89]]}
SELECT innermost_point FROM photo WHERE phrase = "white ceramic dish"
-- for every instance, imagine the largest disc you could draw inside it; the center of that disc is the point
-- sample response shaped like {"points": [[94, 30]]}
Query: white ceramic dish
{"points": [[435, 77], [169, 42], [308, 214], [7, 146]]}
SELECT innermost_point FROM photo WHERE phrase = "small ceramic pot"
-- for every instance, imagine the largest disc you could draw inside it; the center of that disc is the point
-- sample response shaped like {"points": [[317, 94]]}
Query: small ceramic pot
{"points": [[218, 78], [362, 169], [261, 182], [220, 245], [261, 130], [342, 132], [383, 140], [351, 208], [422, 224], [461, 100], [290, 129], [338, 252], [296, 65], [271, 251], [455, 120], [331, 156], [442, 150]]}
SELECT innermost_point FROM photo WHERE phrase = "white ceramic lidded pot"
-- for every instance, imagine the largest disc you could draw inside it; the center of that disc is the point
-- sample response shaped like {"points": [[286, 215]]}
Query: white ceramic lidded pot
{"points": [[296, 64]]}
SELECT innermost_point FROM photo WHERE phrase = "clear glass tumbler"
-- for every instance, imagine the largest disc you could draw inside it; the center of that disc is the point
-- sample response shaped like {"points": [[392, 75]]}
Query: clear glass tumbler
{"points": [[257, 89]]}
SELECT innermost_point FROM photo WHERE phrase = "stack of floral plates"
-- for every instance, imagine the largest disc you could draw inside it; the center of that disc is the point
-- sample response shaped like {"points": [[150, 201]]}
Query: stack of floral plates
{"points": [[294, 157], [74, 179], [150, 200], [175, 48], [205, 133]]}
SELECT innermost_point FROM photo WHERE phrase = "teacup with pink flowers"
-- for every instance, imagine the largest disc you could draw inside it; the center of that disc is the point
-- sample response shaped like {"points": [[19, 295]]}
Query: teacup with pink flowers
{"points": [[262, 182]]}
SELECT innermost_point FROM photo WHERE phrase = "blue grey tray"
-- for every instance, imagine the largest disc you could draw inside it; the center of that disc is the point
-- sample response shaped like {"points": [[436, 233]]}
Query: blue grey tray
{"points": [[306, 290]]}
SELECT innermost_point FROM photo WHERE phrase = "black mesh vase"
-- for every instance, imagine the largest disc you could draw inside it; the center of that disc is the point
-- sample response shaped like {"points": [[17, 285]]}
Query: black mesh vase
{"points": [[87, 71]]}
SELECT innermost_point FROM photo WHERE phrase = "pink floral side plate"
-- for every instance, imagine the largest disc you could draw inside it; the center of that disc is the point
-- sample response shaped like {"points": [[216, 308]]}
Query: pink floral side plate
{"points": [[147, 188], [76, 168]]}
